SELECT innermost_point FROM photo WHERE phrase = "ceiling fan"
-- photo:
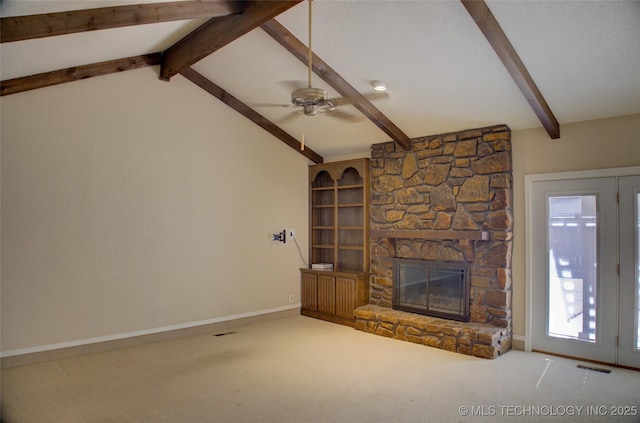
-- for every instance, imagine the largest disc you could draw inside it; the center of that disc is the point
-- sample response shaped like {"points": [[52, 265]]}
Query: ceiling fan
{"points": [[312, 100], [316, 100]]}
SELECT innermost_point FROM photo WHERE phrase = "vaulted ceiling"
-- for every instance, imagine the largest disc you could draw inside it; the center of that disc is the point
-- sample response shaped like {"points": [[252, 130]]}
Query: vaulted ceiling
{"points": [[449, 65]]}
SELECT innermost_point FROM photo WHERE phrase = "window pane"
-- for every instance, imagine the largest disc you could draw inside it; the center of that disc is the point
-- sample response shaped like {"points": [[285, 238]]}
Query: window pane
{"points": [[572, 234]]}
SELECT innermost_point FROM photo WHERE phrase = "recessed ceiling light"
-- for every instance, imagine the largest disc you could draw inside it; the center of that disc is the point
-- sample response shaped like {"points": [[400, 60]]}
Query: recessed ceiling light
{"points": [[379, 86]]}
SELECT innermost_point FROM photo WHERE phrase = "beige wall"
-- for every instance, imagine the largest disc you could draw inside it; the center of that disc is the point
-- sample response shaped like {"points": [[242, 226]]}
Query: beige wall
{"points": [[600, 144], [131, 204]]}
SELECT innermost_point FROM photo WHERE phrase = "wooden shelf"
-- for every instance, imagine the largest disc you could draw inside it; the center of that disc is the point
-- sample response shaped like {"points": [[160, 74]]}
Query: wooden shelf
{"points": [[323, 246], [344, 273], [432, 235]]}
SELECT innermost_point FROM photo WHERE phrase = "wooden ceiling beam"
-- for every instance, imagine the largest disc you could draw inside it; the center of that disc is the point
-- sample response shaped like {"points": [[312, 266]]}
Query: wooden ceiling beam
{"points": [[18, 28], [297, 48], [76, 73], [249, 113], [491, 29], [218, 32]]}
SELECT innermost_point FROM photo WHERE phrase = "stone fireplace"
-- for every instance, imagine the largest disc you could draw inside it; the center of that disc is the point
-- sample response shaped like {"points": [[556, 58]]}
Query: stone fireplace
{"points": [[446, 201]]}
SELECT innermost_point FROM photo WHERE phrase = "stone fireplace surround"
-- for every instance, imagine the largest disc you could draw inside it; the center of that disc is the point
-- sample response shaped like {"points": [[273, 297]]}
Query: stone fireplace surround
{"points": [[447, 199]]}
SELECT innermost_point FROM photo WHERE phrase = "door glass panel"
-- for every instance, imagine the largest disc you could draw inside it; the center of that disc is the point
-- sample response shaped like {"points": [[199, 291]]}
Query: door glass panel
{"points": [[572, 248], [637, 268], [629, 312]]}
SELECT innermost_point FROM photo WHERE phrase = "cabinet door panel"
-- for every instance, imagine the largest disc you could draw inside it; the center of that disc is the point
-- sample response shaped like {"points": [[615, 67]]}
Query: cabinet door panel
{"points": [[309, 292], [345, 297], [326, 294]]}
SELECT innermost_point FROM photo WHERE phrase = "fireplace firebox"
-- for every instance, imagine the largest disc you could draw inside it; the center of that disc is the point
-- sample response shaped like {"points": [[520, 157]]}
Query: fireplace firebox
{"points": [[431, 288]]}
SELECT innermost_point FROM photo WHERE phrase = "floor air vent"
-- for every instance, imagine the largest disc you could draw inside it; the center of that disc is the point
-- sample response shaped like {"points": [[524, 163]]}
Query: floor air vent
{"points": [[595, 369]]}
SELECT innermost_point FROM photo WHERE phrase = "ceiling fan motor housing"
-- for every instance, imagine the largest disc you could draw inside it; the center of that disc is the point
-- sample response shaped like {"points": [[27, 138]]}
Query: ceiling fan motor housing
{"points": [[312, 100]]}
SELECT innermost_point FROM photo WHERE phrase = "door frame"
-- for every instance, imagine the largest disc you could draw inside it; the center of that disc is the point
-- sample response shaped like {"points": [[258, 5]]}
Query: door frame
{"points": [[529, 180], [628, 352]]}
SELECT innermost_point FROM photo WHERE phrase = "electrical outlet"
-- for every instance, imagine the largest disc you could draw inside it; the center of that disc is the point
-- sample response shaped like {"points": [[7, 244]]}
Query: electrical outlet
{"points": [[291, 233], [290, 298]]}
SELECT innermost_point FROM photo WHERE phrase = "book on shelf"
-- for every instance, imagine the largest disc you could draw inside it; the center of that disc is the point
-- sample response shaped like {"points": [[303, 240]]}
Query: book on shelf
{"points": [[322, 266]]}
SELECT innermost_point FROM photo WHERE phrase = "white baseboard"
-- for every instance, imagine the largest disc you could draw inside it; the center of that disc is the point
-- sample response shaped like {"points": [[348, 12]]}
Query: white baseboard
{"points": [[119, 340], [518, 342]]}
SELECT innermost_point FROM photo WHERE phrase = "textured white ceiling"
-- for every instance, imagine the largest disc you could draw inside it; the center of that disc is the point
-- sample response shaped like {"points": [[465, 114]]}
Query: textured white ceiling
{"points": [[441, 72]]}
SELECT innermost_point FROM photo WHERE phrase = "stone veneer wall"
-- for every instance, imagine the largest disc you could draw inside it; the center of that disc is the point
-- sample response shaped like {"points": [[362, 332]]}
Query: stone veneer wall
{"points": [[452, 182]]}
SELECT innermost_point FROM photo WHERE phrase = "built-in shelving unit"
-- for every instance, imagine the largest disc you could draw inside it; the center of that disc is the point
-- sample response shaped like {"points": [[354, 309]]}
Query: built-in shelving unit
{"points": [[339, 214], [339, 234]]}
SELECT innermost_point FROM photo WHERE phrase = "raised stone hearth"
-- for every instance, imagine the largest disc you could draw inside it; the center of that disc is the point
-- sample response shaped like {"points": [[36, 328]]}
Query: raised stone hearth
{"points": [[480, 340], [448, 199]]}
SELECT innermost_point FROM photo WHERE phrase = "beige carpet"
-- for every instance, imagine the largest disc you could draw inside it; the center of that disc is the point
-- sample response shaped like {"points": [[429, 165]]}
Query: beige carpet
{"points": [[305, 370]]}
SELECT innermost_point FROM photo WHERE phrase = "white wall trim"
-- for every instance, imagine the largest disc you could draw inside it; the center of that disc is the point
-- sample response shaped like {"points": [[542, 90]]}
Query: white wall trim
{"points": [[115, 337], [528, 184], [582, 174]]}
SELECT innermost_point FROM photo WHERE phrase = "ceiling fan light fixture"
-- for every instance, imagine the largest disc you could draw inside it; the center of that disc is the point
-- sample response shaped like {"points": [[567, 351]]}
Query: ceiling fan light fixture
{"points": [[310, 110], [306, 96], [379, 86]]}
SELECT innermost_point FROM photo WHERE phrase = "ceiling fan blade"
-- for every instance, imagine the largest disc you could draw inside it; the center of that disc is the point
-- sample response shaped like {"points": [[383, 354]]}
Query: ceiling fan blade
{"points": [[339, 114], [341, 101], [349, 100], [272, 105], [289, 117]]}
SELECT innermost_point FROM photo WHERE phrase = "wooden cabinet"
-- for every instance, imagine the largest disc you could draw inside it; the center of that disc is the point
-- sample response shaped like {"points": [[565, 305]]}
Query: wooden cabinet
{"points": [[333, 296], [338, 234]]}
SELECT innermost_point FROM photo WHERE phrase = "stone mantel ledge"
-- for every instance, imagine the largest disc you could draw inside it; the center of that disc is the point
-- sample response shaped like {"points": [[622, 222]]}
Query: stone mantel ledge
{"points": [[432, 234], [476, 339], [465, 239]]}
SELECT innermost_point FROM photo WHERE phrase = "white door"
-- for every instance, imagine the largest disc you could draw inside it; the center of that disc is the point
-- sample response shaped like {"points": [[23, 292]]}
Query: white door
{"points": [[574, 277], [629, 345], [585, 268]]}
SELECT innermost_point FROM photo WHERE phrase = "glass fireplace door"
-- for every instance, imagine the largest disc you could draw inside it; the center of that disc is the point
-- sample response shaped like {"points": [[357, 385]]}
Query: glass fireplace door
{"points": [[412, 293], [432, 288]]}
